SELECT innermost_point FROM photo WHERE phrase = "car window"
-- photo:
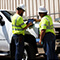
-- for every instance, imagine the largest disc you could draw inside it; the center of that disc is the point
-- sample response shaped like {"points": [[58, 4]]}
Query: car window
{"points": [[57, 19], [7, 15]]}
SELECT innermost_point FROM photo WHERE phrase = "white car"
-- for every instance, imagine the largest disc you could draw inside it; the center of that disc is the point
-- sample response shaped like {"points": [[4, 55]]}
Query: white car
{"points": [[5, 30], [7, 44]]}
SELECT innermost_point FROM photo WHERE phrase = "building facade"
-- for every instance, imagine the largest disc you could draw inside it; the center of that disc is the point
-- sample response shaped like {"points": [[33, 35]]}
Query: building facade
{"points": [[53, 6]]}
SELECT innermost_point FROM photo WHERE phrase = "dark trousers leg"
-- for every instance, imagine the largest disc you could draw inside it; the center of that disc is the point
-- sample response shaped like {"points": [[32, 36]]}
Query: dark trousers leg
{"points": [[19, 47], [49, 47]]}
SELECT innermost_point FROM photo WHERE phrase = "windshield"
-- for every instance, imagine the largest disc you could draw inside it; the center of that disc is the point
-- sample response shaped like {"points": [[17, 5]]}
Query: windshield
{"points": [[7, 15]]}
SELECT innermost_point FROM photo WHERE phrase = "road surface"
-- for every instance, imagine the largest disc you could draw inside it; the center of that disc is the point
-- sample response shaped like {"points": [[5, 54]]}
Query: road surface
{"points": [[40, 57]]}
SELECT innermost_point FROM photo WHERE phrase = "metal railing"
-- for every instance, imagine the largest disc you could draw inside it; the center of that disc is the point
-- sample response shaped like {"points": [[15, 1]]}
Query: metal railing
{"points": [[37, 16]]}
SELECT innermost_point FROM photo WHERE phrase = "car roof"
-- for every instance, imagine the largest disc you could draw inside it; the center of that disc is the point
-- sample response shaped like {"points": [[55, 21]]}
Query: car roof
{"points": [[3, 10], [12, 12]]}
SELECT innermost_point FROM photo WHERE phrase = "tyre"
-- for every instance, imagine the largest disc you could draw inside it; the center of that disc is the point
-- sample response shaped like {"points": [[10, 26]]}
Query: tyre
{"points": [[32, 41], [25, 56], [30, 52]]}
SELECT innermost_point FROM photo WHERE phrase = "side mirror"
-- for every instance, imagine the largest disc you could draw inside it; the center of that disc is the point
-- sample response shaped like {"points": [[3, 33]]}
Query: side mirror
{"points": [[1, 21], [1, 17]]}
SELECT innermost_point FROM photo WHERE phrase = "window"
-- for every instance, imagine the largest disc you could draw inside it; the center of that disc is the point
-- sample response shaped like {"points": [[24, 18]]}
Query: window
{"points": [[7, 15]]}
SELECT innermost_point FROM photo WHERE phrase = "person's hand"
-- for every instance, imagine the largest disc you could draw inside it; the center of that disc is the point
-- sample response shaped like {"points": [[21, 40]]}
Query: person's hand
{"points": [[40, 42], [30, 23], [34, 19]]}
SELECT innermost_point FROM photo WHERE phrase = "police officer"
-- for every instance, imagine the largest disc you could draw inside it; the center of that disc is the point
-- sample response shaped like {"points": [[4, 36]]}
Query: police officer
{"points": [[18, 28], [47, 34]]}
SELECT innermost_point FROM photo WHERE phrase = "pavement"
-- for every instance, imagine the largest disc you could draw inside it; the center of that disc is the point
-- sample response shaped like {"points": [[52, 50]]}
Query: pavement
{"points": [[41, 52], [40, 57]]}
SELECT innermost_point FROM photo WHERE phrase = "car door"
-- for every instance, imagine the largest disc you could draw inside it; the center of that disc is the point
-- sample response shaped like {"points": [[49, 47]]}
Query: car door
{"points": [[5, 33]]}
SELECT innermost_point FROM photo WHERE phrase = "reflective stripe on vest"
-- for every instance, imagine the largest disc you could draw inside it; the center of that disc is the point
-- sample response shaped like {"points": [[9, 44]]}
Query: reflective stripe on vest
{"points": [[17, 29], [17, 25], [49, 26]]}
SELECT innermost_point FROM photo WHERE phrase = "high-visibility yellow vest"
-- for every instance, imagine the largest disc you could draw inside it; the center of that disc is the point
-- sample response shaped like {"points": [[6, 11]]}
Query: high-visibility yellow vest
{"points": [[18, 25], [47, 23]]}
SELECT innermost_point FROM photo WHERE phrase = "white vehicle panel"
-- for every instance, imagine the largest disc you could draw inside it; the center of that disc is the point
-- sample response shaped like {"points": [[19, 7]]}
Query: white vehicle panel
{"points": [[5, 34]]}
